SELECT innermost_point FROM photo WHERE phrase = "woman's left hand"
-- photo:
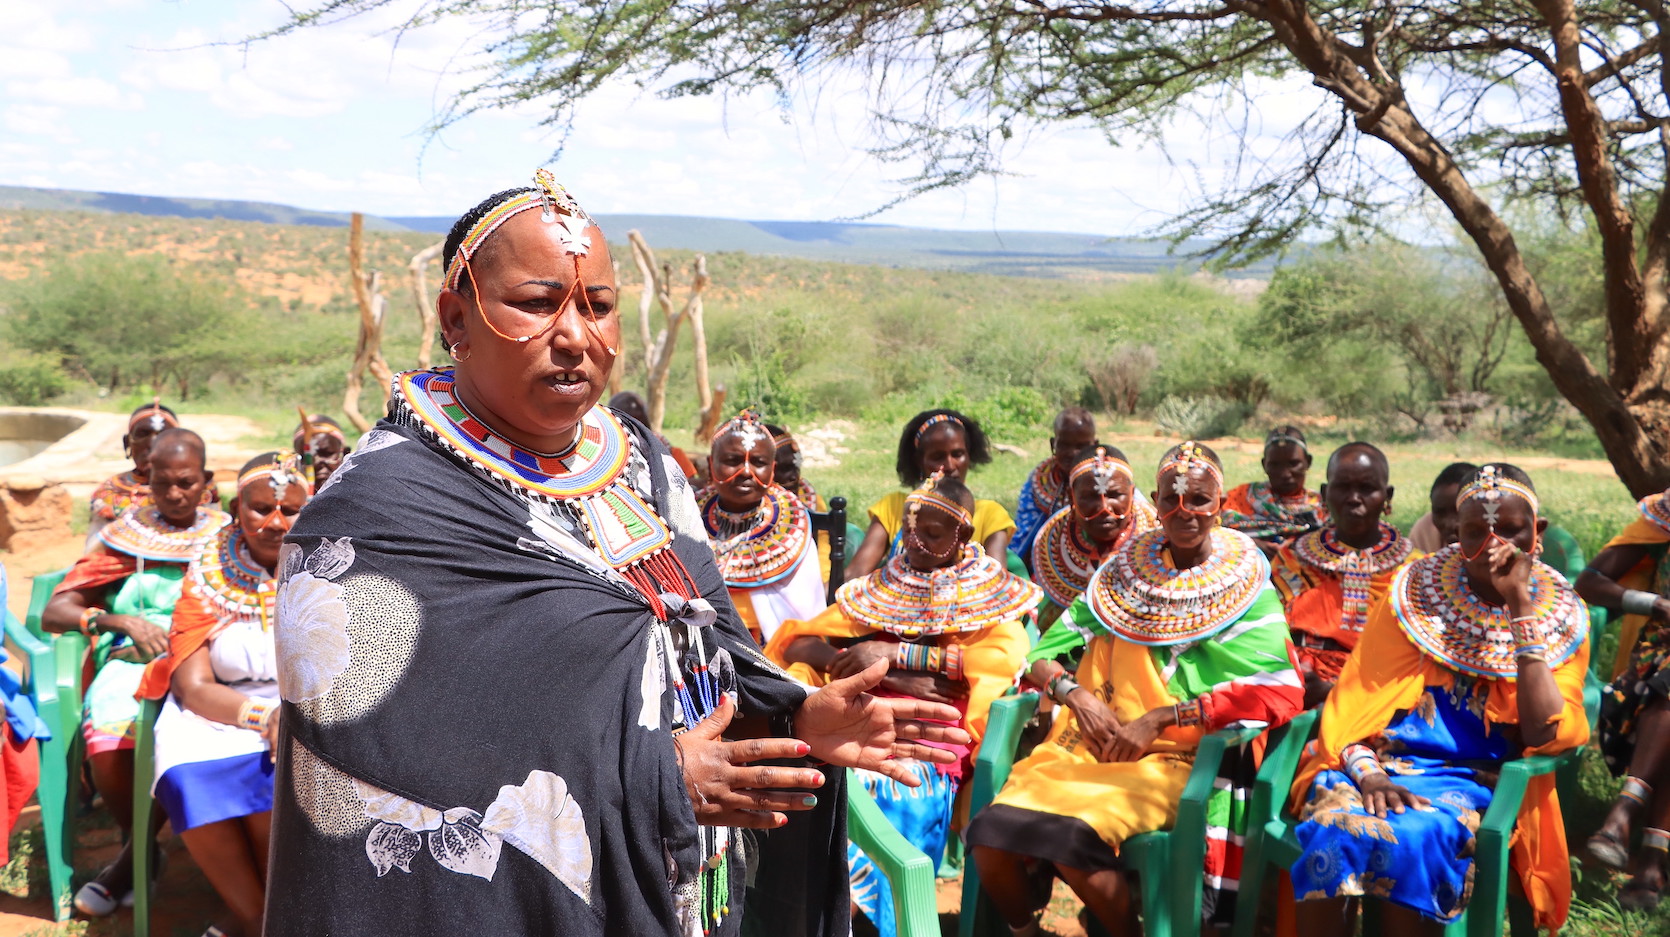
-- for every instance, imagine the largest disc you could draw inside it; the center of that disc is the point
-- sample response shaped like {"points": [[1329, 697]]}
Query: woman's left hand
{"points": [[1510, 570], [859, 657], [845, 725], [1133, 738]]}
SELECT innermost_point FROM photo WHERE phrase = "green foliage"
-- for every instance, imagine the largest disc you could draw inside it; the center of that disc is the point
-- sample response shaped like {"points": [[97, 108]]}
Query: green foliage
{"points": [[1200, 417], [30, 380]]}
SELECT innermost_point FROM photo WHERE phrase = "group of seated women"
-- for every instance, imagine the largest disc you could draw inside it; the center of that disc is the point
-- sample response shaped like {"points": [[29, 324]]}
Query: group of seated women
{"points": [[1191, 607], [176, 597]]}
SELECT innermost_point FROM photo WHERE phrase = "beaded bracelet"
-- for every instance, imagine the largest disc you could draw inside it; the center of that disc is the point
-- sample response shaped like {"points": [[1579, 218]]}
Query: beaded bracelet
{"points": [[954, 663], [1638, 602], [1531, 652], [1187, 713], [1527, 629], [1361, 762], [1062, 686], [88, 618], [254, 714], [917, 657]]}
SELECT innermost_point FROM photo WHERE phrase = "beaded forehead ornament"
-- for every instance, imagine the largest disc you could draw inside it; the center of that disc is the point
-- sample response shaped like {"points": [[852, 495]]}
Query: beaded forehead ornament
{"points": [[1490, 486], [153, 416], [283, 471], [926, 495], [1184, 459], [1103, 468], [746, 427]]}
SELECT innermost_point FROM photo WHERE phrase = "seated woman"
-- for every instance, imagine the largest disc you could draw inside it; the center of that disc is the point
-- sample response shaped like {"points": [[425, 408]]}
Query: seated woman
{"points": [[788, 469], [217, 732], [947, 618], [1188, 638], [934, 442], [1103, 510], [1476, 657], [122, 594], [632, 404], [1630, 576], [1435, 529], [1045, 490], [320, 443], [1280, 508], [761, 534], [1329, 578]]}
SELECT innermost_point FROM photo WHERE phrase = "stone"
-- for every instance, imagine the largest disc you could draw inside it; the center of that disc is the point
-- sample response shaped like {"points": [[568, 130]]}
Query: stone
{"points": [[33, 513]]}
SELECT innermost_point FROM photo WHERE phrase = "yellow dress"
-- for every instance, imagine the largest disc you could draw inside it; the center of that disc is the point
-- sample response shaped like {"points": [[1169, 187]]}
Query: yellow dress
{"points": [[989, 518]]}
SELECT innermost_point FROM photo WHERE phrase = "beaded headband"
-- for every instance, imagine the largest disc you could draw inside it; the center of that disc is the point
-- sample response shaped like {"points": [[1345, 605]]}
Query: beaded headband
{"points": [[159, 418], [746, 427], [1277, 438], [283, 471], [926, 495], [554, 203], [934, 421], [1103, 467], [1186, 459], [316, 425], [1489, 486]]}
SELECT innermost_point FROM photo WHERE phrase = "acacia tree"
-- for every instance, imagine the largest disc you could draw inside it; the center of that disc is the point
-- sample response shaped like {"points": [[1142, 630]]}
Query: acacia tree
{"points": [[1561, 100]]}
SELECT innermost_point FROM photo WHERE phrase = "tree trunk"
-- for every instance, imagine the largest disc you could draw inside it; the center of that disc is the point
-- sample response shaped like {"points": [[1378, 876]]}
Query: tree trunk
{"points": [[711, 418], [698, 335], [427, 316], [368, 350]]}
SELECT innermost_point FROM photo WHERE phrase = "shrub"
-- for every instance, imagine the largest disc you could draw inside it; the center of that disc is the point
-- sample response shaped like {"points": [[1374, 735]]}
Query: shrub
{"points": [[1201, 417], [31, 381]]}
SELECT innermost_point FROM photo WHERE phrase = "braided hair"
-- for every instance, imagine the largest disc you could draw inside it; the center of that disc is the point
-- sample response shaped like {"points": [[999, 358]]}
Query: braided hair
{"points": [[461, 229]]}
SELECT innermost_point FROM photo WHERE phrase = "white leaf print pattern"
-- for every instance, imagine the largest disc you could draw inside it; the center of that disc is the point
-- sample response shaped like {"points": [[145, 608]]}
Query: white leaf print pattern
{"points": [[331, 558], [311, 637], [541, 819], [392, 808], [392, 847], [289, 561], [369, 443], [462, 846]]}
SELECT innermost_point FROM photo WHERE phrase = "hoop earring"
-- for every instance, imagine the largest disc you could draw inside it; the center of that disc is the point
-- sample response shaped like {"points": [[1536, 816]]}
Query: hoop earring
{"points": [[453, 351]]}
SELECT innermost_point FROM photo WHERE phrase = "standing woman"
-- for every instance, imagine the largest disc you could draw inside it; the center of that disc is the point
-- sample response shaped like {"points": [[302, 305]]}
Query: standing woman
{"points": [[1279, 508], [1103, 510], [761, 534], [122, 595], [1186, 638], [934, 442], [216, 734], [508, 662], [1477, 656], [1631, 576]]}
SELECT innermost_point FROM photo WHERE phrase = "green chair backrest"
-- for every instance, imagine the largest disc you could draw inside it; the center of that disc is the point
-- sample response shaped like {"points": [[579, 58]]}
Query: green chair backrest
{"points": [[1562, 551], [41, 593]]}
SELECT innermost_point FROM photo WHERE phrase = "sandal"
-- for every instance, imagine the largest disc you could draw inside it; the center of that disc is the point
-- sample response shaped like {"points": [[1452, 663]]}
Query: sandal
{"points": [[95, 900], [1607, 850], [1635, 896]]}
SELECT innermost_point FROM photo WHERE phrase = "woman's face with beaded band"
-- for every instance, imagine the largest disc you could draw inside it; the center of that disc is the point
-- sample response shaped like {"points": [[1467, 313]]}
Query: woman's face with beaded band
{"points": [[943, 448], [1188, 518], [533, 392], [1515, 523], [935, 540], [1102, 515], [740, 474]]}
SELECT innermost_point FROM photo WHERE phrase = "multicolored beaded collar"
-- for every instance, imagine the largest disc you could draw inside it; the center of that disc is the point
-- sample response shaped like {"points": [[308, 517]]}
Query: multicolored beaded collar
{"points": [[588, 467], [1452, 626], [141, 532], [1274, 515], [118, 493], [974, 594], [1656, 509], [1140, 596], [1048, 489], [1063, 561], [234, 587], [1322, 550], [771, 545]]}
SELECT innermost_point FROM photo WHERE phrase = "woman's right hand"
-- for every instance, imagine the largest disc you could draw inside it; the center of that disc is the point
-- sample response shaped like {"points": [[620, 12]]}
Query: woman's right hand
{"points": [[933, 687], [1097, 722], [724, 786], [1381, 796], [148, 640]]}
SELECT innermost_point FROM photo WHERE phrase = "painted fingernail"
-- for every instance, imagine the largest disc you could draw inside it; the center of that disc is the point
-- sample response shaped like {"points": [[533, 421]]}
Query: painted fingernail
{"points": [[803, 749], [808, 801], [781, 820]]}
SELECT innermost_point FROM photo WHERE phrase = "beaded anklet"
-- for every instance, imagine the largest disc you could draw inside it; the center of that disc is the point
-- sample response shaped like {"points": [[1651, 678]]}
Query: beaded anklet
{"points": [[1637, 790]]}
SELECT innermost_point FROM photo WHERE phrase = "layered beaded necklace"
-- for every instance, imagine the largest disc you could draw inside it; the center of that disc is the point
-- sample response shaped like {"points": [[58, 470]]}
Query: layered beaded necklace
{"points": [[1322, 550], [1063, 560], [231, 583], [142, 532], [1141, 595], [972, 594], [761, 546]]}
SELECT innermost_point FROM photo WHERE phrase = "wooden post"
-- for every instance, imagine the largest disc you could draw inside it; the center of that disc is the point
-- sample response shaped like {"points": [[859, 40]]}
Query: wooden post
{"points": [[658, 354], [711, 418], [368, 351], [425, 303]]}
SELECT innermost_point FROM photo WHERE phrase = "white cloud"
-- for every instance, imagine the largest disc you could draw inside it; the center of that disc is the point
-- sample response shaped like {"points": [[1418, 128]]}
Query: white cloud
{"points": [[81, 91], [38, 120]]}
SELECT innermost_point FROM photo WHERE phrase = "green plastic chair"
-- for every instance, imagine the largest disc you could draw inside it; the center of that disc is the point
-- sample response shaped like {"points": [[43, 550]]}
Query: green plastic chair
{"points": [[1271, 841], [909, 872], [144, 770], [1169, 863], [55, 678]]}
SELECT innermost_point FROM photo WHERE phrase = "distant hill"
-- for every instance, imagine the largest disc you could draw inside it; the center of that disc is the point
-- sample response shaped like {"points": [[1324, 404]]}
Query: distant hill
{"points": [[1014, 253]]}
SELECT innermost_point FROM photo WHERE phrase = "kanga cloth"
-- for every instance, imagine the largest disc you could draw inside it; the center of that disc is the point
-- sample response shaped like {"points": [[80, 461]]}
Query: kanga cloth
{"points": [[1044, 493], [1242, 675], [1260, 513], [1640, 676], [989, 518], [1387, 677], [1652, 531], [1327, 589], [208, 771], [479, 702], [767, 561]]}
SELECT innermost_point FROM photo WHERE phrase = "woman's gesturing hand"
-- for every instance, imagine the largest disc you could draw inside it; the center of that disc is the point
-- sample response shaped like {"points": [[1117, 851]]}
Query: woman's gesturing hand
{"points": [[847, 726], [726, 789]]}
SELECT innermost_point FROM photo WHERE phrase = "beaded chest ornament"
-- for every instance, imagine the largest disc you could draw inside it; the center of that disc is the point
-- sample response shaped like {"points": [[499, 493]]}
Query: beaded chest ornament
{"points": [[143, 533], [1322, 550]]}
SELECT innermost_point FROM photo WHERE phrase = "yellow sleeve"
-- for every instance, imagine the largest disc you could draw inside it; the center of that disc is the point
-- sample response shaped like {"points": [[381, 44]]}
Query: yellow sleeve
{"points": [[890, 511], [990, 518], [991, 659], [1640, 532], [1573, 718]]}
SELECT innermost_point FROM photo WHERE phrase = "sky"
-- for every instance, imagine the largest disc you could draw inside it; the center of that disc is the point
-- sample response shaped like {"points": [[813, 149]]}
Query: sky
{"points": [[155, 97]]}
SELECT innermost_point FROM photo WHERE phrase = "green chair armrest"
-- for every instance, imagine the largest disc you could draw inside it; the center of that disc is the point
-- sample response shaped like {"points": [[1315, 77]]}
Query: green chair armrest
{"points": [[20, 636], [909, 873], [1008, 716], [41, 593]]}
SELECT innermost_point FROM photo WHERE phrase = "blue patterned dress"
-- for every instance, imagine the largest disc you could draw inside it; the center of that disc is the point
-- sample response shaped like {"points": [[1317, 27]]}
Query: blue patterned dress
{"points": [[1420, 859]]}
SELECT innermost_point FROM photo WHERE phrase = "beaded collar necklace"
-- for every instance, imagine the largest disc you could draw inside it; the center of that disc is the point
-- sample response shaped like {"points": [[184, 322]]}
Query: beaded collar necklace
{"points": [[1063, 560], [142, 532], [1656, 509], [973, 594], [1449, 624], [1049, 486], [1322, 550], [229, 580], [771, 544], [1140, 595], [1266, 503]]}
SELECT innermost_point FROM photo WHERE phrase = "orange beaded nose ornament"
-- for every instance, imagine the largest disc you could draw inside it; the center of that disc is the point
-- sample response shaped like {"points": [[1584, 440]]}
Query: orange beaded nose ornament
{"points": [[1186, 459], [1103, 468], [749, 431]]}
